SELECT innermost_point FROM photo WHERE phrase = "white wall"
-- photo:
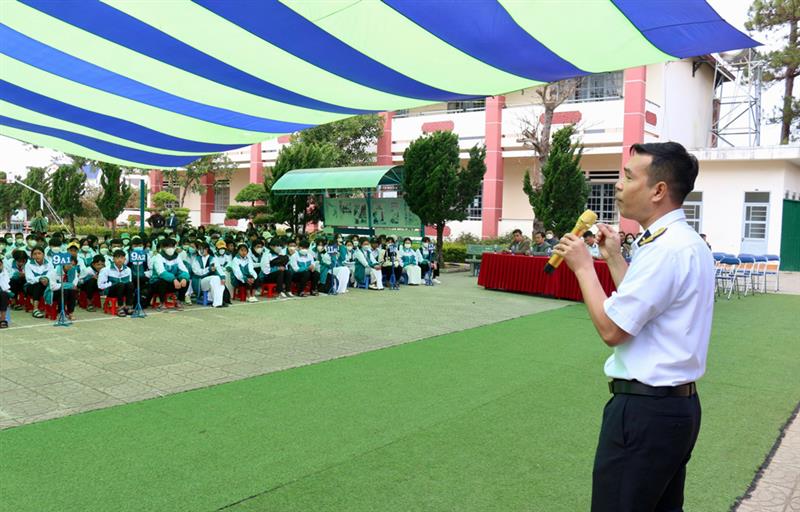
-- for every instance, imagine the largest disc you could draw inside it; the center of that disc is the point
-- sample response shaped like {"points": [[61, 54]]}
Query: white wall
{"points": [[723, 185], [687, 104]]}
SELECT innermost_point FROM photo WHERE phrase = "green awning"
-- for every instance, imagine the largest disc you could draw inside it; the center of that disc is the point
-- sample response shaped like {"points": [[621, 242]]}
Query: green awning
{"points": [[339, 179]]}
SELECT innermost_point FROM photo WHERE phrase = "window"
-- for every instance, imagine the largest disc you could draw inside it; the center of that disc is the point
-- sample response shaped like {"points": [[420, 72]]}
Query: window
{"points": [[222, 195], [756, 208], [466, 106], [475, 209], [692, 207], [601, 201], [600, 87]]}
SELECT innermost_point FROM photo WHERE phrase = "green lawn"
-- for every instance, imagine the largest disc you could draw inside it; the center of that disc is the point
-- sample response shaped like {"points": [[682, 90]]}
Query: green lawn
{"points": [[500, 417]]}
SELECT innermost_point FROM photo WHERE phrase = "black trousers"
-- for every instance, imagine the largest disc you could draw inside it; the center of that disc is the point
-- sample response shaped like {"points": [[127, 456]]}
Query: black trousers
{"points": [[645, 443], [123, 292], [387, 274], [89, 288], [3, 303], [301, 278], [17, 285], [279, 278], [162, 288], [70, 297], [35, 291], [425, 267]]}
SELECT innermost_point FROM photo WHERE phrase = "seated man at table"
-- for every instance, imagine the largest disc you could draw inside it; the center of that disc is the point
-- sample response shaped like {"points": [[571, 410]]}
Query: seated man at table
{"points": [[594, 249], [519, 245], [540, 245]]}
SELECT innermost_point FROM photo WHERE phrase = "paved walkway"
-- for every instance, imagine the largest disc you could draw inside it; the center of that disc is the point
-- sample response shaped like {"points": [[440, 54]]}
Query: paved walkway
{"points": [[778, 487], [102, 361]]}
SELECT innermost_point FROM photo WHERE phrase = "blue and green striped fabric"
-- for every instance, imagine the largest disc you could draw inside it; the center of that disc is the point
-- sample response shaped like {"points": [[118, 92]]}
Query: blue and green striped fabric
{"points": [[156, 84]]}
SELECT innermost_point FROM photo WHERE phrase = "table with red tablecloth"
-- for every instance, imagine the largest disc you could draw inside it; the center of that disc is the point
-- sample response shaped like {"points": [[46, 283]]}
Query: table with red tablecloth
{"points": [[525, 274]]}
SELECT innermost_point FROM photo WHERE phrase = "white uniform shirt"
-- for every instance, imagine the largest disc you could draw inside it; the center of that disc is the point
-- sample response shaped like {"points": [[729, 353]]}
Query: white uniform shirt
{"points": [[665, 302]]}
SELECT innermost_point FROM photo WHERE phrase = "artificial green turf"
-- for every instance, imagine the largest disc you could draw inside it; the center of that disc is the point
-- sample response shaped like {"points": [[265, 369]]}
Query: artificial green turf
{"points": [[500, 417]]}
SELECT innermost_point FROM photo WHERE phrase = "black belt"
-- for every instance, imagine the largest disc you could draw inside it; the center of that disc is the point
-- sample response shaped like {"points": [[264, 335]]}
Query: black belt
{"points": [[632, 387]]}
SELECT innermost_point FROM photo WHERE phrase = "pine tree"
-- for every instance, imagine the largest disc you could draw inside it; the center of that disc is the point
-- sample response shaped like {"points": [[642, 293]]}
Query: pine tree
{"points": [[69, 184], [561, 198], [115, 193], [437, 189]]}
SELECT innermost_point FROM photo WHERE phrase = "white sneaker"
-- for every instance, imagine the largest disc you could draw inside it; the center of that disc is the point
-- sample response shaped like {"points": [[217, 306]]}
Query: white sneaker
{"points": [[436, 280], [290, 294], [188, 301], [252, 299], [283, 295], [373, 287]]}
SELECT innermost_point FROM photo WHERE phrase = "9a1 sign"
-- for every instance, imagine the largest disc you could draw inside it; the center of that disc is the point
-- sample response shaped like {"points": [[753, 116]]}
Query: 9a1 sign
{"points": [[61, 258], [138, 257]]}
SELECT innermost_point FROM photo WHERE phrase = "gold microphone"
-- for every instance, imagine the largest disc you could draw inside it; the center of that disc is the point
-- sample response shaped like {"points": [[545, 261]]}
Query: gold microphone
{"points": [[585, 221]]}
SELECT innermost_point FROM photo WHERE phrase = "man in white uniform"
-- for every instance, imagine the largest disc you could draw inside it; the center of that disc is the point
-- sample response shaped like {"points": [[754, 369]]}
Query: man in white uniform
{"points": [[658, 322]]}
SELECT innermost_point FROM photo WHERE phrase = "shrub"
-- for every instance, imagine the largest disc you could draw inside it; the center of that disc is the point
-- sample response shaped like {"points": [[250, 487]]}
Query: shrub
{"points": [[238, 212], [454, 252], [162, 198]]}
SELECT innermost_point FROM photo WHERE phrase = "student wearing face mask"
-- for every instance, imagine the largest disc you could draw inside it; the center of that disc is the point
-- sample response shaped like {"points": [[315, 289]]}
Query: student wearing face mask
{"points": [[410, 260], [32, 241], [140, 274], [87, 281], [273, 268], [187, 253], [222, 260], [208, 277], [105, 253], [628, 246], [348, 259], [5, 250], [304, 269], [324, 265], [257, 258], [244, 275], [67, 278], [427, 250], [339, 270], [16, 272], [39, 274], [367, 267], [550, 238], [169, 275]]}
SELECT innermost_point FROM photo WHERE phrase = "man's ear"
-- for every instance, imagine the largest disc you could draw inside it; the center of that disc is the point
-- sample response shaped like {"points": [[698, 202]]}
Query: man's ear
{"points": [[660, 192]]}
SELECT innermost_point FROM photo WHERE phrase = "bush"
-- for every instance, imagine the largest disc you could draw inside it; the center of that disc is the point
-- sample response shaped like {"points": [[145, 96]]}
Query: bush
{"points": [[454, 252], [164, 197], [83, 230], [238, 212], [261, 219]]}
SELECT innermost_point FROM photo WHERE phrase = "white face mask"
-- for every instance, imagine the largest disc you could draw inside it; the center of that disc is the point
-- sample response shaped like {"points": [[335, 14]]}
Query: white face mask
{"points": [[31, 243], [258, 250], [169, 251], [221, 252], [548, 236], [103, 251], [303, 251], [407, 246]]}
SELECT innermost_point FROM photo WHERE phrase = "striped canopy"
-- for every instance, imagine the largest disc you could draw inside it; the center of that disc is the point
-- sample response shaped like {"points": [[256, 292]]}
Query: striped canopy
{"points": [[157, 84]]}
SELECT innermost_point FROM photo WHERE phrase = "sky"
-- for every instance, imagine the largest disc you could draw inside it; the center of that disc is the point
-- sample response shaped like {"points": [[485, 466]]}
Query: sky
{"points": [[15, 157]]}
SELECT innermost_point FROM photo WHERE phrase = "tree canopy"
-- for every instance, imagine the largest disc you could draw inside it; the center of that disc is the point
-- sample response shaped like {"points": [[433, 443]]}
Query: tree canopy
{"points": [[69, 185], [562, 196], [297, 210], [782, 64], [352, 137], [115, 193], [437, 188]]}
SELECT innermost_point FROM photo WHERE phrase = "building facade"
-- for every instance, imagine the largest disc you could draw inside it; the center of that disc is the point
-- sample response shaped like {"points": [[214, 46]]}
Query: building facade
{"points": [[740, 192]]}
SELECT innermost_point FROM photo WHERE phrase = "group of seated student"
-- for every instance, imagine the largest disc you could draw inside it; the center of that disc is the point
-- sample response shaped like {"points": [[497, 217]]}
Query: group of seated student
{"points": [[195, 263], [543, 243]]}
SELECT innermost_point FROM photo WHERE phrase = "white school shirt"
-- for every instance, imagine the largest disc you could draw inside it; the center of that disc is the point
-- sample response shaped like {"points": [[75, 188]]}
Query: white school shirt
{"points": [[665, 302]]}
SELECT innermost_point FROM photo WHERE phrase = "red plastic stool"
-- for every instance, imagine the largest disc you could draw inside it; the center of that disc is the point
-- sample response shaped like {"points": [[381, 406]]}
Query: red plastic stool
{"points": [[307, 288], [170, 302], [268, 290], [110, 306], [240, 293], [25, 301], [83, 302], [50, 310]]}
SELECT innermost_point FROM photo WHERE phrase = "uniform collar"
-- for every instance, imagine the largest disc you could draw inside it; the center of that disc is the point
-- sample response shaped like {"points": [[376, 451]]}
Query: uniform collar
{"points": [[664, 221]]}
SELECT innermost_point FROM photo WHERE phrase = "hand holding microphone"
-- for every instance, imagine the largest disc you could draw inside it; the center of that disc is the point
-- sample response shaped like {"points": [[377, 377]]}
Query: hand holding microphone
{"points": [[585, 221]]}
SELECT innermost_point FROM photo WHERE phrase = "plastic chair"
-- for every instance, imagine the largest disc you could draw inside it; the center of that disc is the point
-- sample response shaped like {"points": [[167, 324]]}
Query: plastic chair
{"points": [[760, 274], [744, 271], [170, 302], [268, 290], [726, 278], [240, 293], [773, 267], [110, 306]]}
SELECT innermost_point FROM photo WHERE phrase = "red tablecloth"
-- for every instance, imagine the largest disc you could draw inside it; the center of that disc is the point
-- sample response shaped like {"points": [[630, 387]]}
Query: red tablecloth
{"points": [[525, 274]]}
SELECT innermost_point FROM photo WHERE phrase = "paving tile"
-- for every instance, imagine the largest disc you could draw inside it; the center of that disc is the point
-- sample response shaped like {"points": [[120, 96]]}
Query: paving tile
{"points": [[766, 498], [131, 391]]}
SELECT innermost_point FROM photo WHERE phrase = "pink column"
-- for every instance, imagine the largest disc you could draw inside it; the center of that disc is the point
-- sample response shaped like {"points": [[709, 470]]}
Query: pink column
{"points": [[256, 164], [493, 179], [155, 179], [385, 141], [633, 125], [207, 199]]}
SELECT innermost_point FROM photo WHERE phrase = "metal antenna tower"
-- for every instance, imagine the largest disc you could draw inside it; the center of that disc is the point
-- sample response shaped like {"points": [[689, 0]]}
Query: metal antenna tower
{"points": [[737, 99]]}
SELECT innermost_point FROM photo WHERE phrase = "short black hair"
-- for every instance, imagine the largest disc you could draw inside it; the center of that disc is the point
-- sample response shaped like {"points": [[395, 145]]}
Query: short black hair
{"points": [[671, 164], [541, 233], [588, 234], [119, 253], [516, 231]]}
